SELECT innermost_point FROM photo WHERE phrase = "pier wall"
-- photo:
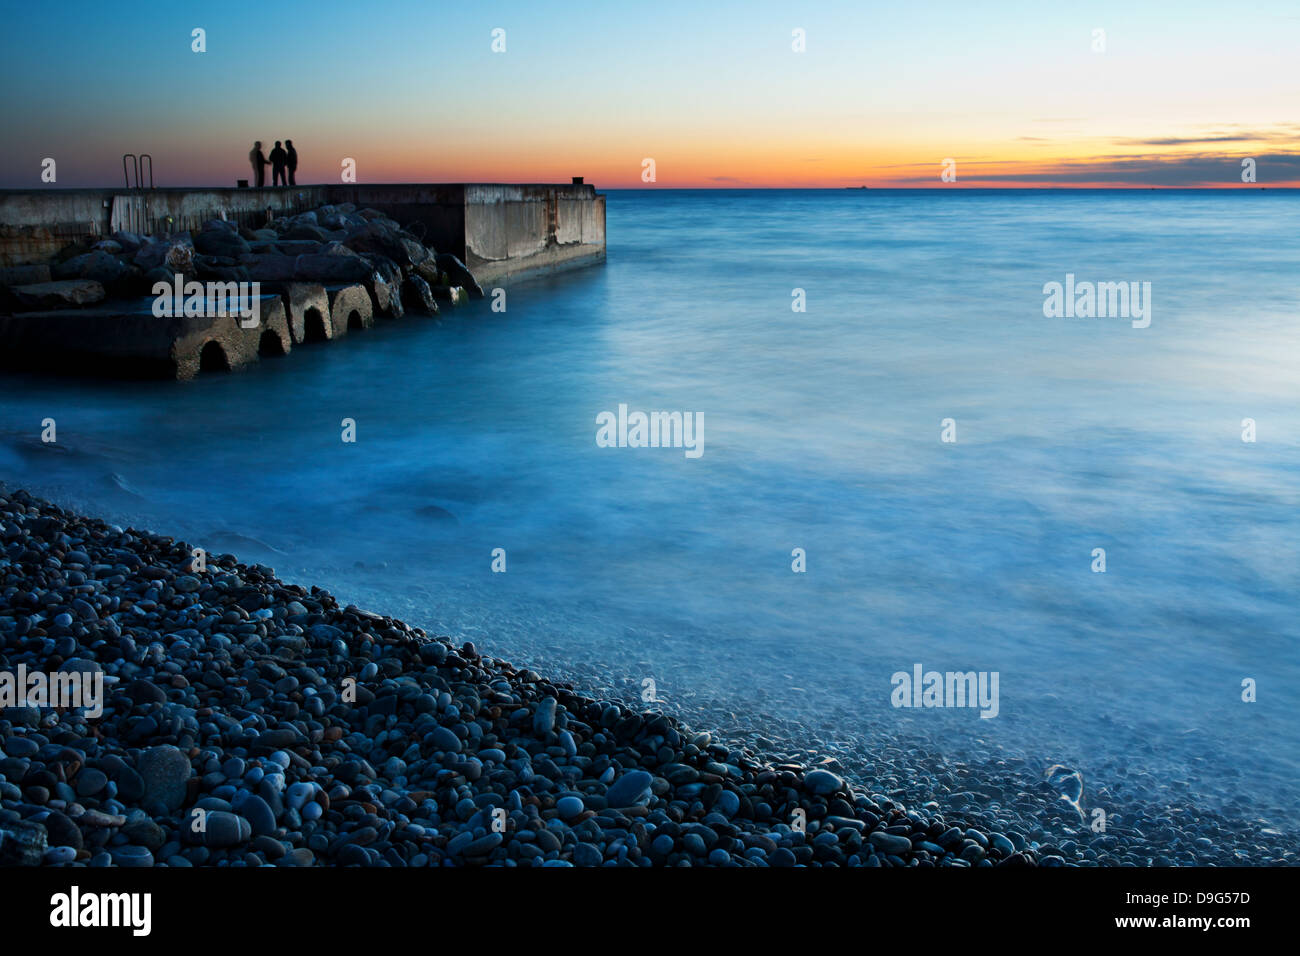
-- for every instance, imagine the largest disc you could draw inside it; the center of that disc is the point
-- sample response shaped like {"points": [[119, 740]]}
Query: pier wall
{"points": [[499, 231], [518, 230]]}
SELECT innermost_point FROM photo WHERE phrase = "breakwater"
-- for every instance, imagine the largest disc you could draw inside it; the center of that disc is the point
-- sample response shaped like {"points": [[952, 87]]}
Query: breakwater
{"points": [[499, 230], [177, 286]]}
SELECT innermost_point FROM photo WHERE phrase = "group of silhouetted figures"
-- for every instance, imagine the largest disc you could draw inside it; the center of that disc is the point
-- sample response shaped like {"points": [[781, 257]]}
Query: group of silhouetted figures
{"points": [[283, 163]]}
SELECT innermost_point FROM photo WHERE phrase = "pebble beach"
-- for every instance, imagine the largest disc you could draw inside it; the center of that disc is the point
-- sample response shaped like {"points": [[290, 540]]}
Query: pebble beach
{"points": [[313, 734]]}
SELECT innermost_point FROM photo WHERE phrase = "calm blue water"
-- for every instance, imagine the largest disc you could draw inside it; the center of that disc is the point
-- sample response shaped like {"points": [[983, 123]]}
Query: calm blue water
{"points": [[821, 432]]}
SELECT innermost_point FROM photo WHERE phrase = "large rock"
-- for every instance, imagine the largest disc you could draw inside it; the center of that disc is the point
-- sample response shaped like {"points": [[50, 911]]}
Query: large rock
{"points": [[156, 275], [270, 267], [428, 271], [303, 230], [65, 294], [221, 242], [333, 220], [129, 241], [332, 269], [203, 263], [415, 250], [99, 265], [387, 297], [458, 274], [212, 268], [417, 295], [336, 248], [294, 247], [163, 252], [386, 269], [376, 238]]}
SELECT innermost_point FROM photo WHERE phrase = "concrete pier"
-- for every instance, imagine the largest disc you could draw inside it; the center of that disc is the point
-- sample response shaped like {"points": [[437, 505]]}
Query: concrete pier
{"points": [[498, 234], [499, 231]]}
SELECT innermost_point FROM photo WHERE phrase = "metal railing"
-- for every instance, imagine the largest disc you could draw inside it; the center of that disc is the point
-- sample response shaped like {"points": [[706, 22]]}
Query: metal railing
{"points": [[138, 165]]}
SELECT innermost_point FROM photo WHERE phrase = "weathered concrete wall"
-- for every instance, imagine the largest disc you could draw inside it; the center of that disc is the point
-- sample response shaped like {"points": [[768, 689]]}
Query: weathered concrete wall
{"points": [[36, 223], [513, 231], [499, 231]]}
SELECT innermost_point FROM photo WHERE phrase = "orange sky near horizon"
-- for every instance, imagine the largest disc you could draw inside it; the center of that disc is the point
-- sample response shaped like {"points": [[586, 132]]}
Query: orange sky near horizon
{"points": [[842, 164], [1016, 93]]}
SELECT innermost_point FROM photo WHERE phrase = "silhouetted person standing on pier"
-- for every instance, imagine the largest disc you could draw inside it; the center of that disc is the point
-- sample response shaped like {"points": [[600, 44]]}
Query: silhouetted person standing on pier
{"points": [[293, 161], [259, 164], [279, 159]]}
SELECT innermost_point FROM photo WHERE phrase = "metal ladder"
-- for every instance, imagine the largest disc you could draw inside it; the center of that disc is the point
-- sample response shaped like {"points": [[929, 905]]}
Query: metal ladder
{"points": [[138, 165], [131, 212]]}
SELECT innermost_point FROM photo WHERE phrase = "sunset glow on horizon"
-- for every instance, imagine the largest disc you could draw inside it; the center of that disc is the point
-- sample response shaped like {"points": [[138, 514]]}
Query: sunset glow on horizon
{"points": [[718, 97]]}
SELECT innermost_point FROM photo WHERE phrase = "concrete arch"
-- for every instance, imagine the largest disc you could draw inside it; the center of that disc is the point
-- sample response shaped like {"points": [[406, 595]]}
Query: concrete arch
{"points": [[349, 308], [271, 345], [302, 299], [315, 327], [213, 358]]}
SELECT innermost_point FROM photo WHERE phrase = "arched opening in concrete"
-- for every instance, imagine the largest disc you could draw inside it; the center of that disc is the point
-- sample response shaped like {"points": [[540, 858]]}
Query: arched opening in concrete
{"points": [[270, 345], [313, 327], [354, 320], [212, 358]]}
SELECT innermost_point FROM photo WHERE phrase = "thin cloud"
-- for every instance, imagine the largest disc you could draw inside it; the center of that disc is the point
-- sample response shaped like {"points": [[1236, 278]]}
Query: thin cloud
{"points": [[1199, 140], [1199, 170]]}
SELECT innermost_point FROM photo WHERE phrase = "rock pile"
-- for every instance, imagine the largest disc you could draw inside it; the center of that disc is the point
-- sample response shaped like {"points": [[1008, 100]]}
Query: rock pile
{"points": [[332, 244]]}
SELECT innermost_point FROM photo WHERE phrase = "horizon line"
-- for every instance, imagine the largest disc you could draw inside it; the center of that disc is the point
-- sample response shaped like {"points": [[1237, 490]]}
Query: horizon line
{"points": [[1244, 187]]}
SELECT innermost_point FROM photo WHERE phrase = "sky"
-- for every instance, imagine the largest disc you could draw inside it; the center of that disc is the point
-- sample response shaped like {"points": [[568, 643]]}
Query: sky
{"points": [[882, 94]]}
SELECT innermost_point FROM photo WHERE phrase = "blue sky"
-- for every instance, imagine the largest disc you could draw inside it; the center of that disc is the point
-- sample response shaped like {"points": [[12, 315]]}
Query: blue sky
{"points": [[714, 93]]}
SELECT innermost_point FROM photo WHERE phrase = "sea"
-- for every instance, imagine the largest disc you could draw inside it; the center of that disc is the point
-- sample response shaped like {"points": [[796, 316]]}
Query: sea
{"points": [[905, 461]]}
